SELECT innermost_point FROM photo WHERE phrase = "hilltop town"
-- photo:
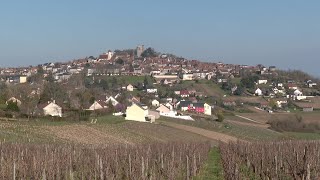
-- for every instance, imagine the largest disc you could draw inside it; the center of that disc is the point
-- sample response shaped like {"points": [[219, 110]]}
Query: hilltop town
{"points": [[142, 85], [155, 107]]}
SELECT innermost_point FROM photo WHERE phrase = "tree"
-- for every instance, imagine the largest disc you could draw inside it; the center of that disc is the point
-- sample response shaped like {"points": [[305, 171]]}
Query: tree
{"points": [[40, 70], [131, 68], [226, 86], [114, 81], [53, 91], [249, 82], [220, 117], [50, 78], [13, 106], [83, 98], [149, 52], [145, 82], [139, 86], [111, 107], [92, 99], [3, 92], [104, 84], [120, 108], [273, 104], [239, 91], [91, 57], [29, 105], [120, 61]]}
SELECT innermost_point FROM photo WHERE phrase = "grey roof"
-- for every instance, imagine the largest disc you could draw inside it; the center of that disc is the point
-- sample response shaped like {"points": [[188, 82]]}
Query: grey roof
{"points": [[185, 103]]}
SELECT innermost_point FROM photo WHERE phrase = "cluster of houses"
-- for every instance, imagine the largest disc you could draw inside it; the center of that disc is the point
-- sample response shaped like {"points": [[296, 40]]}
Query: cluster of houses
{"points": [[140, 112], [282, 93], [165, 70]]}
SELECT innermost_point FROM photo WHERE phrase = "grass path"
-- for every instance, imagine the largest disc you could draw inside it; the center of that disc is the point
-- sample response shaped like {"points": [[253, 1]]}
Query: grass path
{"points": [[248, 119], [213, 168], [206, 133]]}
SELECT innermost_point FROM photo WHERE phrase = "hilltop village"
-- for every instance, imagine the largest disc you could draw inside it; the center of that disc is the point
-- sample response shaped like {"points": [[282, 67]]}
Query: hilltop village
{"points": [[143, 85]]}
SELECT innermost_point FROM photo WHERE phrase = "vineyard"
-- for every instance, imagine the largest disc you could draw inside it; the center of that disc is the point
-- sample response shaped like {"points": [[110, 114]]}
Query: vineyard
{"points": [[154, 161], [271, 160]]}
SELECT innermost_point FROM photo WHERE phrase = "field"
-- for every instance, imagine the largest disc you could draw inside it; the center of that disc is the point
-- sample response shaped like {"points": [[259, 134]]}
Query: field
{"points": [[230, 129], [222, 142], [127, 79], [153, 161], [271, 160], [60, 148], [107, 130], [207, 87], [210, 89]]}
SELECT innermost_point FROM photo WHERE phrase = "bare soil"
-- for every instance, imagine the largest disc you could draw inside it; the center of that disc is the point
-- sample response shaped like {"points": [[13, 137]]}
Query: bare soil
{"points": [[87, 135]]}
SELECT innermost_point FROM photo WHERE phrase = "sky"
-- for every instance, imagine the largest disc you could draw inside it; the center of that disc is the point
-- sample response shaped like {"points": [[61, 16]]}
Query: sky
{"points": [[283, 33]]}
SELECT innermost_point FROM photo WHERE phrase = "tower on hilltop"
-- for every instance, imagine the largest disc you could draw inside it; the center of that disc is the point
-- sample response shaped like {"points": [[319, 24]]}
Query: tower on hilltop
{"points": [[140, 50]]}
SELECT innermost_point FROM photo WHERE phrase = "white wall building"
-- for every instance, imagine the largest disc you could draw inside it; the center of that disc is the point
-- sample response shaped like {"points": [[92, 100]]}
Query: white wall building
{"points": [[258, 92]]}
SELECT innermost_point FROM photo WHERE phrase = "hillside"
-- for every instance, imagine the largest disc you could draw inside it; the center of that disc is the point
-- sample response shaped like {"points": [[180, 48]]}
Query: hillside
{"points": [[108, 130]]}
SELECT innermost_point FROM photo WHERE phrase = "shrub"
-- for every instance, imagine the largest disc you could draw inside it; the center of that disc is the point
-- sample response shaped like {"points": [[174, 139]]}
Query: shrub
{"points": [[13, 106], [220, 117], [293, 124]]}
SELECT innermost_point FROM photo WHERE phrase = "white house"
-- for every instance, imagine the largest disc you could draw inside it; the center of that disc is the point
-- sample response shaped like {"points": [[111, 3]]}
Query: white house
{"points": [[280, 84], [169, 105], [155, 103], [187, 77], [297, 92], [130, 87], [136, 112], [299, 98], [262, 81], [169, 100], [113, 101], [278, 91], [177, 92], [311, 85], [207, 109], [152, 90], [258, 92], [280, 102], [52, 109], [165, 111], [96, 105]]}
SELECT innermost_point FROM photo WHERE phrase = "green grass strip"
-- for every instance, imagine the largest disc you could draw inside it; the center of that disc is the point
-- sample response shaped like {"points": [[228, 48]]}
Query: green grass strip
{"points": [[213, 168]]}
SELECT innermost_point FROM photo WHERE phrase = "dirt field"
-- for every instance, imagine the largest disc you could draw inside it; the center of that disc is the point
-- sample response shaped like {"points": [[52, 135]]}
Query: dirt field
{"points": [[124, 132], [82, 134]]}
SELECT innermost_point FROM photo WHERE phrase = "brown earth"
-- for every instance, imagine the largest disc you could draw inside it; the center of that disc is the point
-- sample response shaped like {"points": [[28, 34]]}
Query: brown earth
{"points": [[87, 135]]}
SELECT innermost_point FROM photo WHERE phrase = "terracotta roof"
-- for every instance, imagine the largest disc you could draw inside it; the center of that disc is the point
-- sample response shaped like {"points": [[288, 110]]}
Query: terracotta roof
{"points": [[184, 92], [103, 56], [292, 85]]}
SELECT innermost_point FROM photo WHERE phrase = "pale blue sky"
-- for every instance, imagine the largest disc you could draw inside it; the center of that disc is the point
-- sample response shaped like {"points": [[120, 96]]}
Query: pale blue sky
{"points": [[285, 33]]}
